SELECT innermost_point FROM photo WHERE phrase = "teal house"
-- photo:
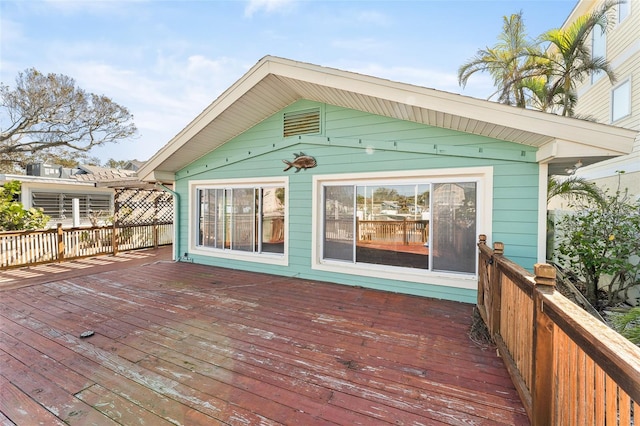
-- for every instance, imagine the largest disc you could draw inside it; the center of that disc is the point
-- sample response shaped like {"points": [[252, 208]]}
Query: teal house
{"points": [[312, 172]]}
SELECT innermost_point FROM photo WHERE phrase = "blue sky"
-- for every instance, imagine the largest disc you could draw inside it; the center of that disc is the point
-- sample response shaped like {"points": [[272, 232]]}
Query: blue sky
{"points": [[166, 60]]}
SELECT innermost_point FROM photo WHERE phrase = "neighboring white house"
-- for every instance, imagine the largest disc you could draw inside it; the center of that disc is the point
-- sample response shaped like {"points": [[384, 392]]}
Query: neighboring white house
{"points": [[615, 103], [53, 189]]}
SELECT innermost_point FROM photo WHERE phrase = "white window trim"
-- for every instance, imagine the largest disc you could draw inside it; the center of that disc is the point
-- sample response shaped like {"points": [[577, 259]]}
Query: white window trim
{"points": [[280, 259], [628, 5], [616, 87], [483, 176]]}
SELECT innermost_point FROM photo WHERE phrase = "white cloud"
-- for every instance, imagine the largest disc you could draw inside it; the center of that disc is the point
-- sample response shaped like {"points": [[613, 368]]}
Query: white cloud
{"points": [[360, 44], [268, 6]]}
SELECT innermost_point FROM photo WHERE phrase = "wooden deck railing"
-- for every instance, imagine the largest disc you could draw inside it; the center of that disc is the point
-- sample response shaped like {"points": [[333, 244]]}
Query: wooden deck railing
{"points": [[23, 248], [405, 231], [568, 367]]}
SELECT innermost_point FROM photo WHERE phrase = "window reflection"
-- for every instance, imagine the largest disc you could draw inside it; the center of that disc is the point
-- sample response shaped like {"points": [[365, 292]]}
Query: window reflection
{"points": [[273, 220], [394, 225], [242, 219], [454, 227], [338, 223]]}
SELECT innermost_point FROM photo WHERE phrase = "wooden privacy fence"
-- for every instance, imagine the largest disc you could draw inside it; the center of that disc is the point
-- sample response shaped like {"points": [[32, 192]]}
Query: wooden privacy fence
{"points": [[569, 368], [22, 248]]}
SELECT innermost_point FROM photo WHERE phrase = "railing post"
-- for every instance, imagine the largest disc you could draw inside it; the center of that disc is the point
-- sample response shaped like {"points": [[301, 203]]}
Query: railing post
{"points": [[60, 235], [114, 238], [481, 283], [542, 390], [405, 236], [155, 235], [495, 289]]}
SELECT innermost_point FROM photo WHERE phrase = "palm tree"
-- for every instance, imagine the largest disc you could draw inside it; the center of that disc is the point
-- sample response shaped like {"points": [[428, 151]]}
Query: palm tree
{"points": [[538, 93], [527, 76], [571, 188], [576, 188], [568, 59], [504, 62]]}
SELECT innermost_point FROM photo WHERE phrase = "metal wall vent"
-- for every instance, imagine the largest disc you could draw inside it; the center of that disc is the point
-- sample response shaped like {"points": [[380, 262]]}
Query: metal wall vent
{"points": [[305, 122]]}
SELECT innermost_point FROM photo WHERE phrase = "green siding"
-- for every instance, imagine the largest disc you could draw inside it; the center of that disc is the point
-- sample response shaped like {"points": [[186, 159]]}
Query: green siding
{"points": [[393, 145]]}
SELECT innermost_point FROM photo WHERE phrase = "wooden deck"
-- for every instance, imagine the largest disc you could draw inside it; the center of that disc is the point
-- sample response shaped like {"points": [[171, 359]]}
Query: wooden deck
{"points": [[179, 343]]}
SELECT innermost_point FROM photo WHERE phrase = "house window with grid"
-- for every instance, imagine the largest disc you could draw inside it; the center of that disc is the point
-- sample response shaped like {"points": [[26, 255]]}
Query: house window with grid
{"points": [[241, 218], [422, 224]]}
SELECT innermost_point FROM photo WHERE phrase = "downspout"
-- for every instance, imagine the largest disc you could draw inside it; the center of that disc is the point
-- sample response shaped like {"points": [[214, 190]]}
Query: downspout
{"points": [[176, 220]]}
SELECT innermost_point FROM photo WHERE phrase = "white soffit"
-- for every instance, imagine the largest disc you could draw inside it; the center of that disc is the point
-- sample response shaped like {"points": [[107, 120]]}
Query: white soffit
{"points": [[273, 83]]}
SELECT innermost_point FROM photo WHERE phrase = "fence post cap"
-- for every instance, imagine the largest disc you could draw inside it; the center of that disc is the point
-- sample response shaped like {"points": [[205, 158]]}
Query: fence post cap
{"points": [[545, 274], [483, 239], [498, 248]]}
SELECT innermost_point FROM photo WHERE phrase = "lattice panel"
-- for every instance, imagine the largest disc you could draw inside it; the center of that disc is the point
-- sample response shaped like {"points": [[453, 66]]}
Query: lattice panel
{"points": [[143, 207]]}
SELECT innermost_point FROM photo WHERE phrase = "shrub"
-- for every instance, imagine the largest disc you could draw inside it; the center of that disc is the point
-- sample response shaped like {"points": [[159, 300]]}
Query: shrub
{"points": [[13, 215], [603, 241]]}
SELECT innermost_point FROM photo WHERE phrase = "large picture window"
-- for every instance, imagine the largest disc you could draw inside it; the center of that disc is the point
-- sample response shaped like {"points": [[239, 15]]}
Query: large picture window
{"points": [[422, 225], [241, 218]]}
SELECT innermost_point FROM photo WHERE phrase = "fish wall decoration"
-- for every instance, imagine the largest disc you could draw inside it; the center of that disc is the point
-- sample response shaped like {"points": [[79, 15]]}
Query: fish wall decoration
{"points": [[301, 161]]}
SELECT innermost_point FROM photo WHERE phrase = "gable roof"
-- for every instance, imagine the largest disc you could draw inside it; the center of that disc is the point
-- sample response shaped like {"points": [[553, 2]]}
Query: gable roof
{"points": [[274, 83]]}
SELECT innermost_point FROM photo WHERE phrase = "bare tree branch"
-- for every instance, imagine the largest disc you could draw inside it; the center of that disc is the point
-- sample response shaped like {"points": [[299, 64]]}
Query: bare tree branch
{"points": [[47, 112]]}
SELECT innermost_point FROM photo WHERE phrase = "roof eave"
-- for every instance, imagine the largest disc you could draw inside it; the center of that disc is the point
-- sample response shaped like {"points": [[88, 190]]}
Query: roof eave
{"points": [[546, 129]]}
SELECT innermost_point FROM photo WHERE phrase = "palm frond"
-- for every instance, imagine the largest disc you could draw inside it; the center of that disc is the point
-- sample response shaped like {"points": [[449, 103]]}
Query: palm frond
{"points": [[574, 188]]}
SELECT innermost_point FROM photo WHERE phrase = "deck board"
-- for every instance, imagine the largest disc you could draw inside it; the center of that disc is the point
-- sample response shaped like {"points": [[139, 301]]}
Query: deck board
{"points": [[191, 344]]}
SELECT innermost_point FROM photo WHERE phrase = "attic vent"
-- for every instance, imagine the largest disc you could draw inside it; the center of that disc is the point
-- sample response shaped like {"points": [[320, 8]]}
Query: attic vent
{"points": [[302, 122]]}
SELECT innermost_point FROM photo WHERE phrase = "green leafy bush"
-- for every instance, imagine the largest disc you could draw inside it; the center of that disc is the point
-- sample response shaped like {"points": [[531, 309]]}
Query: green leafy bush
{"points": [[13, 215], [601, 244]]}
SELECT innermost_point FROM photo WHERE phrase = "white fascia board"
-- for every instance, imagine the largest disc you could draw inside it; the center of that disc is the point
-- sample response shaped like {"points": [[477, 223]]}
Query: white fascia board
{"points": [[547, 152], [162, 176], [537, 122], [617, 139], [559, 148]]}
